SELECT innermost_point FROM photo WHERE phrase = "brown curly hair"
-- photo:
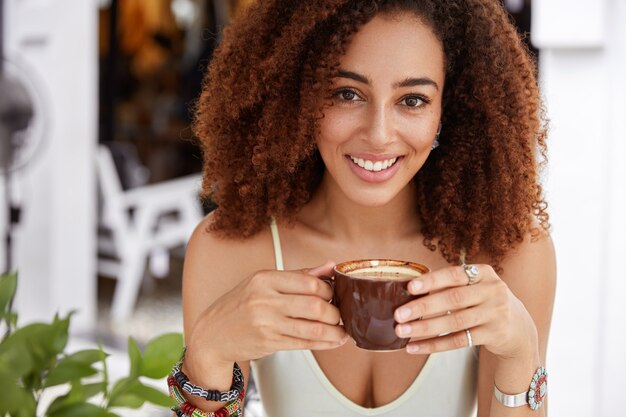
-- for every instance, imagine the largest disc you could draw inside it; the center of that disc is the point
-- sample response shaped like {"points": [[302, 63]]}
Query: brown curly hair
{"points": [[257, 119]]}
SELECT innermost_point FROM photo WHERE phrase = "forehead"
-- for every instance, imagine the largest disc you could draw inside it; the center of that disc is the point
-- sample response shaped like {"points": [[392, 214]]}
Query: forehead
{"points": [[392, 46]]}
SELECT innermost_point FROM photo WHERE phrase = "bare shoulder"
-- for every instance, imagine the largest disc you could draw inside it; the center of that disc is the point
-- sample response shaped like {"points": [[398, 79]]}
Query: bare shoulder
{"points": [[215, 265], [531, 266]]}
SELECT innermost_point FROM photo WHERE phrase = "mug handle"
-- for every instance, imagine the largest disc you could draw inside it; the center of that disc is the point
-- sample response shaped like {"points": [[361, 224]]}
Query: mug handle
{"points": [[330, 281]]}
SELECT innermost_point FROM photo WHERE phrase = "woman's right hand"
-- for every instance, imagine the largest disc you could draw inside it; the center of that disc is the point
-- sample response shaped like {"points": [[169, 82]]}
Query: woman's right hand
{"points": [[268, 312]]}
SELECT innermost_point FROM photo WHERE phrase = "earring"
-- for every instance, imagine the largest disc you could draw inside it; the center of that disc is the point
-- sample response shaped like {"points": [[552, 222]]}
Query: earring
{"points": [[436, 142]]}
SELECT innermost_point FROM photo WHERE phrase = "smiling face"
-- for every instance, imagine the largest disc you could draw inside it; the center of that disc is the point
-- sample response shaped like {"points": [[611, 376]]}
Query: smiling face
{"points": [[386, 106]]}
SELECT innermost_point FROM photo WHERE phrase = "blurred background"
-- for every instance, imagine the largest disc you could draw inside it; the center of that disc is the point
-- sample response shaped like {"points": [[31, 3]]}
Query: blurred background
{"points": [[99, 173]]}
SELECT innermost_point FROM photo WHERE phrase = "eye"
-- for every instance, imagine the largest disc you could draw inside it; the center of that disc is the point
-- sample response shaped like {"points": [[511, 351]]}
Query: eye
{"points": [[414, 101], [346, 95]]}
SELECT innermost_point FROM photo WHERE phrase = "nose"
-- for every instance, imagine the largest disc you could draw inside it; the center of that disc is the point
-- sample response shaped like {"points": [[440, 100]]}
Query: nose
{"points": [[380, 127]]}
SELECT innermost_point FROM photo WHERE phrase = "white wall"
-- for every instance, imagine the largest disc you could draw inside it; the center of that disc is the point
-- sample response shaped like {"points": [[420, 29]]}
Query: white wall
{"points": [[56, 42], [582, 67]]}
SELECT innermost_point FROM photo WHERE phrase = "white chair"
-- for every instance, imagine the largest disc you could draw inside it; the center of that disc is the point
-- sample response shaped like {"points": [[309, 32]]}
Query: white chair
{"points": [[141, 221]]}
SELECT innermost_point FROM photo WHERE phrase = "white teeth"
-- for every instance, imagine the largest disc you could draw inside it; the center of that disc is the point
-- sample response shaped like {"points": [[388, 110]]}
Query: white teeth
{"points": [[374, 166]]}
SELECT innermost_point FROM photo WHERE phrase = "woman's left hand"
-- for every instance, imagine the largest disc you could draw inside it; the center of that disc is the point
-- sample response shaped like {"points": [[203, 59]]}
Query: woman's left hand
{"points": [[452, 313]]}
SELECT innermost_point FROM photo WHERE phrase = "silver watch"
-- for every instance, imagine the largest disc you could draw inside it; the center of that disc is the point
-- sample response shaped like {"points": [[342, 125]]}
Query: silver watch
{"points": [[533, 397]]}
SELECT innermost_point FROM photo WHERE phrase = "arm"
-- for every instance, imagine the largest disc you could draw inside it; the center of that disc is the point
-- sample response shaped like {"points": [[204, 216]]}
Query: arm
{"points": [[237, 308], [208, 274], [530, 273], [508, 316]]}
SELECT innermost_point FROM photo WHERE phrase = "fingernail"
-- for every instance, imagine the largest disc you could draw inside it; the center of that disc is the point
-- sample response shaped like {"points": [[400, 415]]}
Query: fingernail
{"points": [[417, 285], [404, 313], [404, 330], [412, 348], [344, 340]]}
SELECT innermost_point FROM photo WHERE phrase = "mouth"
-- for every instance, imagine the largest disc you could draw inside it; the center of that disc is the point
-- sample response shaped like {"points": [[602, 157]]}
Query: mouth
{"points": [[374, 166]]}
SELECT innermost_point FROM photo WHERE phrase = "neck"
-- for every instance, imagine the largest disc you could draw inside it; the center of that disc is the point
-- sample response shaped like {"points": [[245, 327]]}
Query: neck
{"points": [[336, 215]]}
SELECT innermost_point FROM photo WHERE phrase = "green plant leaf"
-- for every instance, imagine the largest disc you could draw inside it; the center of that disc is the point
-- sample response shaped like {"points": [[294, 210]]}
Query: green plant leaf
{"points": [[88, 356], [60, 333], [93, 389], [15, 359], [79, 393], [10, 394], [122, 387], [9, 317], [154, 396], [135, 358], [28, 353], [161, 354], [105, 372], [131, 393], [127, 400], [62, 402], [16, 400], [32, 381], [68, 370], [20, 337], [81, 409], [8, 285], [43, 342]]}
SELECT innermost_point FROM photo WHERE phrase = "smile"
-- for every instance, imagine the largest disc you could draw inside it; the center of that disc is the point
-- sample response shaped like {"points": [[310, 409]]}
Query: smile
{"points": [[374, 166]]}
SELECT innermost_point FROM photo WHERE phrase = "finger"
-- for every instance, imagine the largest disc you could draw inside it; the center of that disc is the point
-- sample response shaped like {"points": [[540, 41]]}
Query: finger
{"points": [[312, 330], [448, 323], [454, 276], [296, 282], [325, 269], [293, 343], [310, 308], [457, 340], [435, 304]]}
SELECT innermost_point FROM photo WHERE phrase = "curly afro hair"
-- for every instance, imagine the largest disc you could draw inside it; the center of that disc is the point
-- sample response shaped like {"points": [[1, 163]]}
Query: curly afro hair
{"points": [[256, 120]]}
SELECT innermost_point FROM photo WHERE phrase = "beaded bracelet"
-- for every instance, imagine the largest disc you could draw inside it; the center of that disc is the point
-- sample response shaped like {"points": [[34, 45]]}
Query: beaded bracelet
{"points": [[184, 408], [209, 395]]}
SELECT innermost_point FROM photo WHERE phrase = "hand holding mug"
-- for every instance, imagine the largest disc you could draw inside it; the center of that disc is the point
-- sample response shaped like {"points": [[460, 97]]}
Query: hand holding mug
{"points": [[268, 312], [462, 306]]}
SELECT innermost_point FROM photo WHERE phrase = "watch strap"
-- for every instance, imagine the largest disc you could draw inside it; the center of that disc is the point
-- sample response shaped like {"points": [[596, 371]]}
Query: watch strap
{"points": [[508, 400], [533, 397]]}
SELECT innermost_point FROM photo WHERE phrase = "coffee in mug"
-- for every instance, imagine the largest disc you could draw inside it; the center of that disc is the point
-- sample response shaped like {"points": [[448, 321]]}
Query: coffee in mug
{"points": [[367, 293]]}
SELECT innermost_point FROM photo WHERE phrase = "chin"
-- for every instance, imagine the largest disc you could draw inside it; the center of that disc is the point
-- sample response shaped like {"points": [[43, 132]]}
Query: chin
{"points": [[371, 199]]}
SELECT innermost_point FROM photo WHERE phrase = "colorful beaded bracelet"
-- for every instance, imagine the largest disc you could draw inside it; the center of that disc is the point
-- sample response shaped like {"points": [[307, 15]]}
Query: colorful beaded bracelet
{"points": [[179, 413], [209, 395], [233, 408]]}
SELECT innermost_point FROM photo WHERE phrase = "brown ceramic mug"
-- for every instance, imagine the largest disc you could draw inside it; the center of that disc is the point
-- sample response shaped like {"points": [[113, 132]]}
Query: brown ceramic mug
{"points": [[367, 293]]}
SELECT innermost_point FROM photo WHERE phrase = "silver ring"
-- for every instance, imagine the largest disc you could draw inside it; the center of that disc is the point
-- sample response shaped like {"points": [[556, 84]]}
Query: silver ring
{"points": [[469, 338], [472, 273]]}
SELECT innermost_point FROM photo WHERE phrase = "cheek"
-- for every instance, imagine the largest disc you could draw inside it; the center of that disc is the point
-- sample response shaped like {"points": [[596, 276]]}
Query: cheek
{"points": [[419, 133], [334, 129], [419, 138]]}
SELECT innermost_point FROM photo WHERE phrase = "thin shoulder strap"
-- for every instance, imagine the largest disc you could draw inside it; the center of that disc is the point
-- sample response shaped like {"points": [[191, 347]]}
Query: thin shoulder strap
{"points": [[278, 252]]}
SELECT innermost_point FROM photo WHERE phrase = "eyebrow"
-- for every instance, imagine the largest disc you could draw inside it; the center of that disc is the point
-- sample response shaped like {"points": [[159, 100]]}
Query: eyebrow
{"points": [[408, 82]]}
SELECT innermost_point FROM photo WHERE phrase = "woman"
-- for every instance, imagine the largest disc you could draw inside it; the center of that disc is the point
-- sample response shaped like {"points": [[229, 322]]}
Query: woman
{"points": [[350, 129]]}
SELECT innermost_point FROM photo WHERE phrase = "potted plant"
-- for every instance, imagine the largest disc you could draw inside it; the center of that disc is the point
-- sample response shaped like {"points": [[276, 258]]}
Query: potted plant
{"points": [[33, 359]]}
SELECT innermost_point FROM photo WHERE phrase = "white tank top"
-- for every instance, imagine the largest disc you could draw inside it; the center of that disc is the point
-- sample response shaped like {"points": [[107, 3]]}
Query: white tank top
{"points": [[292, 384]]}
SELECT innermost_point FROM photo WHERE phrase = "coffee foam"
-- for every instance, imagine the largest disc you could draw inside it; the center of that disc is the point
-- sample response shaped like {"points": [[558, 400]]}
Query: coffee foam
{"points": [[385, 272]]}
